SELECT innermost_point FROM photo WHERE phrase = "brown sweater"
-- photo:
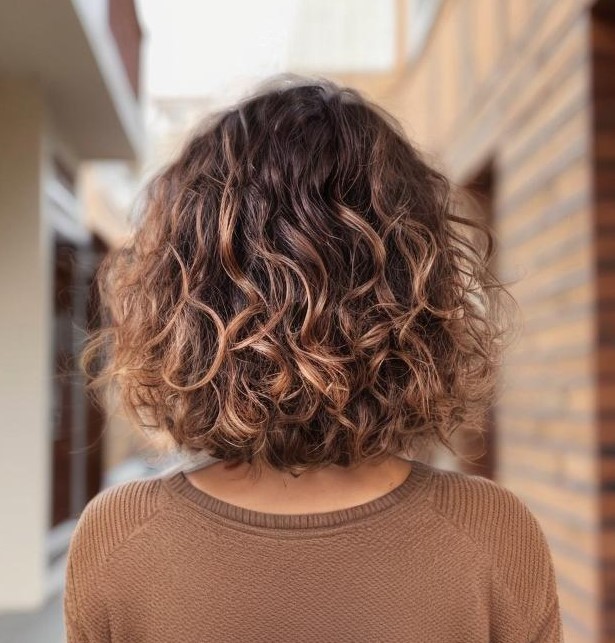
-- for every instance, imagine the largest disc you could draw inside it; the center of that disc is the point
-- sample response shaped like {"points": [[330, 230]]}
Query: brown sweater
{"points": [[444, 557]]}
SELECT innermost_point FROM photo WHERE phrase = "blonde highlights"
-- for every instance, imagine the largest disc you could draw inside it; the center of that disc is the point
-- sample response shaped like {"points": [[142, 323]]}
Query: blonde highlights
{"points": [[299, 291]]}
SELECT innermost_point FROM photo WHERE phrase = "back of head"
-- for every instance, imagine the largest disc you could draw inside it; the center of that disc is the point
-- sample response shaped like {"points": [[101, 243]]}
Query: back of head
{"points": [[299, 291]]}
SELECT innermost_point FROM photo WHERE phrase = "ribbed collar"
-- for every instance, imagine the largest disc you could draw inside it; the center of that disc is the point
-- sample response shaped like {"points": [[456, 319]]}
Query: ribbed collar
{"points": [[411, 488]]}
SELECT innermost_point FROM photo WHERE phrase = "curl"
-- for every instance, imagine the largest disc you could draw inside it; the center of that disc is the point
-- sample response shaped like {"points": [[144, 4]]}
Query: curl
{"points": [[302, 289]]}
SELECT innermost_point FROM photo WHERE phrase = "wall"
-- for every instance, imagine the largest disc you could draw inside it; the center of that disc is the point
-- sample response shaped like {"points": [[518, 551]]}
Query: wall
{"points": [[603, 88], [508, 83], [25, 359]]}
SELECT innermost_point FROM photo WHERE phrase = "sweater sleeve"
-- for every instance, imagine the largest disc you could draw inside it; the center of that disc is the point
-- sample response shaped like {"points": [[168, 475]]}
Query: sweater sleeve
{"points": [[85, 617], [503, 527], [523, 568], [107, 521], [72, 616], [548, 624]]}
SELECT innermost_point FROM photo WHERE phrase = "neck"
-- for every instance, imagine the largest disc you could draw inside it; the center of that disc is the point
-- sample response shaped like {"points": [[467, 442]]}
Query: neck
{"points": [[329, 488]]}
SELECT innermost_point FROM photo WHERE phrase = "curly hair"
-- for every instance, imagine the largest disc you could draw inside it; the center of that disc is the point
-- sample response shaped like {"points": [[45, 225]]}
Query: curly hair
{"points": [[298, 290]]}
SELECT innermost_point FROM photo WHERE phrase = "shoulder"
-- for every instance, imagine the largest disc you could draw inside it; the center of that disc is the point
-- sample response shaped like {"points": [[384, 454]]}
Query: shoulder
{"points": [[505, 530], [490, 513], [110, 518]]}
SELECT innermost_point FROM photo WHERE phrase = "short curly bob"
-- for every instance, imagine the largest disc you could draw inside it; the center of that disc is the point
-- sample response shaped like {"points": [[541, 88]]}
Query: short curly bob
{"points": [[298, 291]]}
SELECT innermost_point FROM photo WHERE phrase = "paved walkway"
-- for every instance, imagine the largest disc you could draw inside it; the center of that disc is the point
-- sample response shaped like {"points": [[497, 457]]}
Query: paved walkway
{"points": [[43, 626], [46, 624]]}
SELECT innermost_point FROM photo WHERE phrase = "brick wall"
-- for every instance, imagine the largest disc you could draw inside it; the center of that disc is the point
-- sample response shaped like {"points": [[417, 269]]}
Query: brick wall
{"points": [[603, 91], [126, 30], [509, 84]]}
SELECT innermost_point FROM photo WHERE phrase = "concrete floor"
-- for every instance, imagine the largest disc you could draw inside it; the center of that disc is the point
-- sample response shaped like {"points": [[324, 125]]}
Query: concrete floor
{"points": [[42, 626], [46, 625]]}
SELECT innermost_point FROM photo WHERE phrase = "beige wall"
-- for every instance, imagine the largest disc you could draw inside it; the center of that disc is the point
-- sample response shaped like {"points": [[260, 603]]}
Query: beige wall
{"points": [[25, 349]]}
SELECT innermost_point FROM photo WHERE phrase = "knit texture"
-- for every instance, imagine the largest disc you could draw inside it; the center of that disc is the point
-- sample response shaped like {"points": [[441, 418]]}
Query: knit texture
{"points": [[443, 557]]}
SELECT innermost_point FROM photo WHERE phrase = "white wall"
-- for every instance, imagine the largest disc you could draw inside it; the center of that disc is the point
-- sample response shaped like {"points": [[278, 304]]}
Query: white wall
{"points": [[25, 348]]}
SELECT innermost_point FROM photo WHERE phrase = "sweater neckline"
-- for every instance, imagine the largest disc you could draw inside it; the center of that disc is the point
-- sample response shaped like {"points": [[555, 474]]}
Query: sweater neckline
{"points": [[418, 478]]}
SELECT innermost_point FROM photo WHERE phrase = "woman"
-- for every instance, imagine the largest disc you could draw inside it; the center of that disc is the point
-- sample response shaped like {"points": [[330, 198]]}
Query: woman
{"points": [[302, 303]]}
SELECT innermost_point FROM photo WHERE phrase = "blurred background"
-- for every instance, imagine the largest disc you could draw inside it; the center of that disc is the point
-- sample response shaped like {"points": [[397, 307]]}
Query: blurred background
{"points": [[513, 98]]}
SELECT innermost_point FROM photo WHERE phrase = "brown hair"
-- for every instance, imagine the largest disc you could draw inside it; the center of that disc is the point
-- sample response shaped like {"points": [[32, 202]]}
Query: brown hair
{"points": [[299, 290]]}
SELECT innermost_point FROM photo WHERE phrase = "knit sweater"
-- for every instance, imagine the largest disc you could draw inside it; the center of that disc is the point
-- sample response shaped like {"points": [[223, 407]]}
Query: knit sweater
{"points": [[443, 557]]}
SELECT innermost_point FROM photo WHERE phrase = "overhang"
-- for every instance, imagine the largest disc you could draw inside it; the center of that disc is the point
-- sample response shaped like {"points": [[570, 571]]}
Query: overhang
{"points": [[68, 45]]}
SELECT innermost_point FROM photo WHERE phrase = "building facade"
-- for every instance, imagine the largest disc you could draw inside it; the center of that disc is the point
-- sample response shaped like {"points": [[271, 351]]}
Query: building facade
{"points": [[516, 99], [69, 93]]}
